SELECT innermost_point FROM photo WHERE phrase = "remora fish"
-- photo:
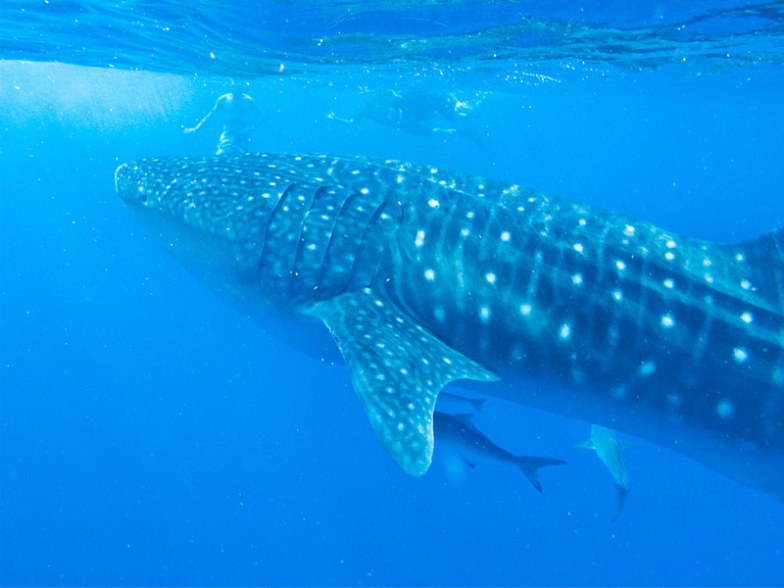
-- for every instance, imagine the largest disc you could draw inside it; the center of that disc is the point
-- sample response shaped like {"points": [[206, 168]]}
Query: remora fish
{"points": [[605, 443], [424, 277], [474, 447]]}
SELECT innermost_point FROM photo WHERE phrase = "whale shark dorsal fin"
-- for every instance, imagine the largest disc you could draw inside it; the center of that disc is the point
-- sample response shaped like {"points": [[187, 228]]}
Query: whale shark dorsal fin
{"points": [[397, 368]]}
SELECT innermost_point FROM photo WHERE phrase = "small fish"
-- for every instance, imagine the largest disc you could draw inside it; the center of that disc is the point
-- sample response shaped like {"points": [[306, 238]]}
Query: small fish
{"points": [[474, 447], [606, 445]]}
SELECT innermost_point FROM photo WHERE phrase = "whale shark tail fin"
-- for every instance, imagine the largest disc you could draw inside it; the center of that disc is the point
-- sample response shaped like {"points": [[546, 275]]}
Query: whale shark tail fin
{"points": [[530, 467]]}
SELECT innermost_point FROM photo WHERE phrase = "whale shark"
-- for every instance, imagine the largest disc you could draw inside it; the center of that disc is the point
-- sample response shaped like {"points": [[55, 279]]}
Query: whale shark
{"points": [[424, 276]]}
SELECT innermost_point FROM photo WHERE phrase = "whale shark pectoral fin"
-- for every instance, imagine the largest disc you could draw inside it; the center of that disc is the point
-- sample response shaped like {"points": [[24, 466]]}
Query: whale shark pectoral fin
{"points": [[397, 368]]}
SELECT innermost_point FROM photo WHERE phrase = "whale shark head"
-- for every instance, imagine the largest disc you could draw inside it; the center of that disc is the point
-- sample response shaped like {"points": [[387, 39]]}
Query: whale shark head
{"points": [[300, 228], [203, 216]]}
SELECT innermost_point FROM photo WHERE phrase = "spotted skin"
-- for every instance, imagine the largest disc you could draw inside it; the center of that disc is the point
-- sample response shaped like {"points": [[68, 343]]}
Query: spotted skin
{"points": [[524, 283], [457, 277]]}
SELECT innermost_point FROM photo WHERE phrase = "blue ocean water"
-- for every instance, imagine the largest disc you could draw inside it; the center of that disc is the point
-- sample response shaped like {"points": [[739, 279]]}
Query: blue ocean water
{"points": [[150, 434]]}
